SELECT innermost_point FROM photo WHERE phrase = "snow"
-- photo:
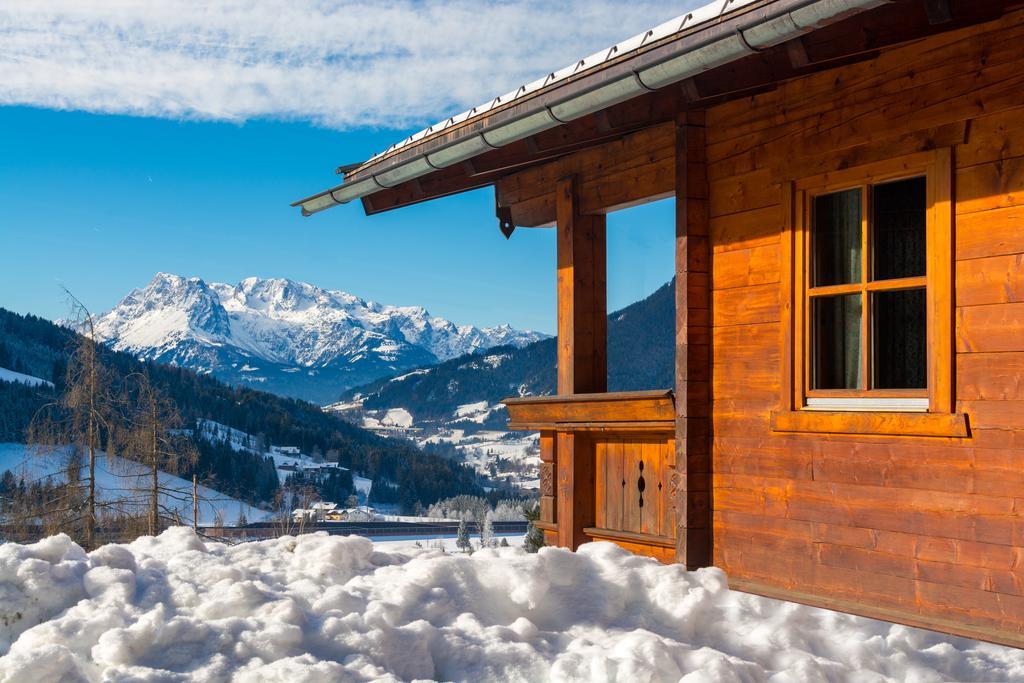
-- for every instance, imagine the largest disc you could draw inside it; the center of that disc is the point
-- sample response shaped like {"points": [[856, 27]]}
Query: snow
{"points": [[392, 422], [342, 407], [321, 607], [402, 378], [397, 417], [415, 543], [496, 359], [116, 476], [514, 455], [284, 322], [476, 412], [362, 486], [12, 376]]}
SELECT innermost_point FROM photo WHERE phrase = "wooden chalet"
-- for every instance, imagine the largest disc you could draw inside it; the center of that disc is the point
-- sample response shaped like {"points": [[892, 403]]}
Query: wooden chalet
{"points": [[846, 427]]}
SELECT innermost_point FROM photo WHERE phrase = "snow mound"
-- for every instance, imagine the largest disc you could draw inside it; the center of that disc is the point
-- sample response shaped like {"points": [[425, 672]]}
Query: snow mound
{"points": [[321, 607]]}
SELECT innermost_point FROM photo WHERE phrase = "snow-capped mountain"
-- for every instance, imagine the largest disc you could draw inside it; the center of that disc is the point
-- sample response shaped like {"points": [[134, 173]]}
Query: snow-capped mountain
{"points": [[286, 337]]}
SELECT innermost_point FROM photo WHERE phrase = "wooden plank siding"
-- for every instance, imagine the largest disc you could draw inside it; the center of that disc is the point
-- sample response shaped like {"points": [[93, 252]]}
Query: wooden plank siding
{"points": [[925, 530]]}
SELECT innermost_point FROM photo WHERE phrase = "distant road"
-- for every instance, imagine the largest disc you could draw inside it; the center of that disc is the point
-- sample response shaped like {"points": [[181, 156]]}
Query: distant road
{"points": [[410, 530]]}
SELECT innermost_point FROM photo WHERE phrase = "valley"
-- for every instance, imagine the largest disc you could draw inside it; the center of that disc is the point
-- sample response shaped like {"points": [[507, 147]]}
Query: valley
{"points": [[250, 446], [454, 407]]}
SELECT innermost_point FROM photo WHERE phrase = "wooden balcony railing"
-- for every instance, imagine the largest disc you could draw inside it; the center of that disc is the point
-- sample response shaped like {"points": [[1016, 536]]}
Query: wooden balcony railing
{"points": [[622, 489]]}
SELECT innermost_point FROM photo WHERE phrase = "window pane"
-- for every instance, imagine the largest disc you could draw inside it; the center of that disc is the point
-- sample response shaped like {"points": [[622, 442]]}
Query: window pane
{"points": [[835, 238], [900, 350], [836, 341], [899, 229]]}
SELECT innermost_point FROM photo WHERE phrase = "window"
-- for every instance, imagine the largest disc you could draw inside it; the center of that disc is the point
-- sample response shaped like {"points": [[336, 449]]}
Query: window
{"points": [[869, 321], [866, 296]]}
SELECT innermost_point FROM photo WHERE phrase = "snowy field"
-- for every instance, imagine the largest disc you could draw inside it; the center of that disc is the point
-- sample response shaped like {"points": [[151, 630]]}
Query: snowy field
{"points": [[416, 543], [330, 608], [118, 478], [12, 376]]}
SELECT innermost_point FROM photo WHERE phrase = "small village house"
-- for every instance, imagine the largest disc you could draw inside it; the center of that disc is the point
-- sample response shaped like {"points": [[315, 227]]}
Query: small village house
{"points": [[846, 427], [320, 511]]}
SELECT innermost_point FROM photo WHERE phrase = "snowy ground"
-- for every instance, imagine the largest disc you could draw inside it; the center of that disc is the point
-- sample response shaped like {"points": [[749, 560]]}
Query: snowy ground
{"points": [[12, 376], [447, 543], [519, 451], [512, 458], [116, 477], [326, 608]]}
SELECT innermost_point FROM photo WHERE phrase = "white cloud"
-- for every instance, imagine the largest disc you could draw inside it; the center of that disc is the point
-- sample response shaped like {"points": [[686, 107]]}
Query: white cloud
{"points": [[336, 63]]}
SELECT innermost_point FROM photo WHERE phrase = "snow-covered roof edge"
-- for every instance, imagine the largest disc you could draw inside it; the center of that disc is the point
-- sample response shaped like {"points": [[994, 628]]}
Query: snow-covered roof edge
{"points": [[694, 49]]}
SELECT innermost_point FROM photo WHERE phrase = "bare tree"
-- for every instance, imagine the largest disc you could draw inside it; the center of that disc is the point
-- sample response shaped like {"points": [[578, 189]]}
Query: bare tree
{"points": [[78, 419], [156, 439], [286, 501]]}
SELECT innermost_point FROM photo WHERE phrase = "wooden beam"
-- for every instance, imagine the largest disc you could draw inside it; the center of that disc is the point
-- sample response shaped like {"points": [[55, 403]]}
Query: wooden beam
{"points": [[938, 11], [582, 352], [797, 53], [690, 483], [635, 168]]}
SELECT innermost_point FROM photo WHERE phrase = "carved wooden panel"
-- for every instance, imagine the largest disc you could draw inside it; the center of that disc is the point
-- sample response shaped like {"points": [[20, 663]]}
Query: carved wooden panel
{"points": [[633, 488], [547, 479]]}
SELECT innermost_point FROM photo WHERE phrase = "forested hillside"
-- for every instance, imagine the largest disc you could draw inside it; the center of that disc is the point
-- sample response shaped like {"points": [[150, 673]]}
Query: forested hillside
{"points": [[37, 347], [641, 355]]}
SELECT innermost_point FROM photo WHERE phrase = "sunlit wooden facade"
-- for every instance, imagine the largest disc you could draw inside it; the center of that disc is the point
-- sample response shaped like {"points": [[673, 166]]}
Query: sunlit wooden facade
{"points": [[863, 453]]}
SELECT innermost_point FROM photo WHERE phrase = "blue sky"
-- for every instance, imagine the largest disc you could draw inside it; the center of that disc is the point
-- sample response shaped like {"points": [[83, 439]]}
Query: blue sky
{"points": [[101, 187]]}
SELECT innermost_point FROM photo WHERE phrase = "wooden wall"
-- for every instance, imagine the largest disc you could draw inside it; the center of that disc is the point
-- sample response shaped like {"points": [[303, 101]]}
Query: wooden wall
{"points": [[924, 530]]}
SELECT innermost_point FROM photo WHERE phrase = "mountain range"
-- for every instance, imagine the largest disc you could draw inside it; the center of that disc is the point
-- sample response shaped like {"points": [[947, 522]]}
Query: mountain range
{"points": [[465, 392], [289, 338], [37, 352]]}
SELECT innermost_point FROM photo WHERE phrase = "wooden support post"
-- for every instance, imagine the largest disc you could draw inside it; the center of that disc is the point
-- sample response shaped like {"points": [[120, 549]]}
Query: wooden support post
{"points": [[582, 352], [548, 497], [582, 296], [691, 480]]}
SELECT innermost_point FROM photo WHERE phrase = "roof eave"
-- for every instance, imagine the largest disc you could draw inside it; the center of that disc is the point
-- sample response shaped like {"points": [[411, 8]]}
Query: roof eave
{"points": [[756, 25]]}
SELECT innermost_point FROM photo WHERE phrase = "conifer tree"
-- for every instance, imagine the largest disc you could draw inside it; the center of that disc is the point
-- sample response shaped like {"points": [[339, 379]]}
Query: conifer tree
{"points": [[487, 531], [462, 541], [534, 540]]}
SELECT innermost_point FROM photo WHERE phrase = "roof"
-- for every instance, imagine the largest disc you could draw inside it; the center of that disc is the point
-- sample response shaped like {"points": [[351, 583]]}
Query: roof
{"points": [[714, 35]]}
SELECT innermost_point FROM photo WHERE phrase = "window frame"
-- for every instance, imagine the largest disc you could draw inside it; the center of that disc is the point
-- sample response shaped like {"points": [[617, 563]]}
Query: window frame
{"points": [[864, 288], [939, 418]]}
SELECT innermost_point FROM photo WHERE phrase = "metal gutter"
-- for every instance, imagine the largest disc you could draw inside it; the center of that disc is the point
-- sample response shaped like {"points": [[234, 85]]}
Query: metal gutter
{"points": [[707, 38]]}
